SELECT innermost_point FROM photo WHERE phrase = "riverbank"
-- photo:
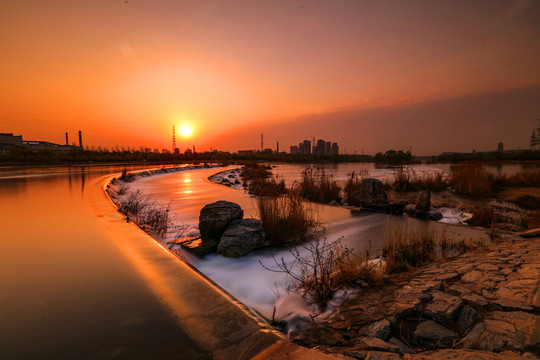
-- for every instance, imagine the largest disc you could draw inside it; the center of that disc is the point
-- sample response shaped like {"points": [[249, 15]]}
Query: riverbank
{"points": [[487, 301]]}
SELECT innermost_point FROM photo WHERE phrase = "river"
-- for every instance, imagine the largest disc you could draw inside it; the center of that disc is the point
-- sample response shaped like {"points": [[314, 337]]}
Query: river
{"points": [[68, 290]]}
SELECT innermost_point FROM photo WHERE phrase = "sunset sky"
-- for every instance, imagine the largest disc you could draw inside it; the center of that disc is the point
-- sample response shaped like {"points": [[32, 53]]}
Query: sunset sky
{"points": [[371, 75]]}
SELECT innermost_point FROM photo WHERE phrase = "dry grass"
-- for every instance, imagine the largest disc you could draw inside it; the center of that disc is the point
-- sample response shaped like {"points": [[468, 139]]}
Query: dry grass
{"points": [[408, 249], [522, 178], [354, 182], [354, 270], [145, 211], [472, 179], [255, 171], [406, 179], [317, 186], [267, 187], [285, 219]]}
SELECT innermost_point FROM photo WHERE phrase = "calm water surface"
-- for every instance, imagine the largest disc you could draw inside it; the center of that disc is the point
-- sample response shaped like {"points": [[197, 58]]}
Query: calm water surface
{"points": [[67, 290]]}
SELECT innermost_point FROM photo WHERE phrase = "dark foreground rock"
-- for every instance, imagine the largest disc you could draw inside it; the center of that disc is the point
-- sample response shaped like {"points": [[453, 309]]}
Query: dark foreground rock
{"points": [[215, 218], [241, 238], [371, 196]]}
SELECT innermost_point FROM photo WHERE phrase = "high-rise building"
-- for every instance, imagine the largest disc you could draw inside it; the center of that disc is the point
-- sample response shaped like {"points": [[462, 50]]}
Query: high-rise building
{"points": [[328, 148], [335, 149], [294, 150], [320, 147], [307, 147]]}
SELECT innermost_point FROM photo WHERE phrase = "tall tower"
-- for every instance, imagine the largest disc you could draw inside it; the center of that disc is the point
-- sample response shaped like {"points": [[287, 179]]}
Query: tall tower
{"points": [[67, 140], [262, 142], [173, 139], [80, 139]]}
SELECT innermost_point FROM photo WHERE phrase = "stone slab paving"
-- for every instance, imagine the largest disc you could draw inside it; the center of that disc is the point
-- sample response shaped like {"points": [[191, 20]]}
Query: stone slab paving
{"points": [[480, 305]]}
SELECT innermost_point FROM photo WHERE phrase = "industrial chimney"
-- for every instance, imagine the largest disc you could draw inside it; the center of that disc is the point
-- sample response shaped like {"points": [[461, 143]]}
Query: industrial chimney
{"points": [[67, 142], [80, 139]]}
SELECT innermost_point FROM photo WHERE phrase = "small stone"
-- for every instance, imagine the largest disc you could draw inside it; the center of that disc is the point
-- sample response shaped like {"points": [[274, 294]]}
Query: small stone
{"points": [[380, 329], [467, 317], [472, 337], [430, 333], [373, 343], [446, 277], [487, 267], [472, 277], [403, 348], [513, 305], [443, 306]]}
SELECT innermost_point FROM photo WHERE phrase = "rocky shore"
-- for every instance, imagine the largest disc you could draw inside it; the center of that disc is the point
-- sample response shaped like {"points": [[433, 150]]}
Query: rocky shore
{"points": [[480, 305]]}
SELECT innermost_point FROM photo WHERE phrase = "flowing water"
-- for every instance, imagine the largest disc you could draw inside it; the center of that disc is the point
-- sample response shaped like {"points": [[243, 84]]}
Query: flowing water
{"points": [[71, 286], [245, 278]]}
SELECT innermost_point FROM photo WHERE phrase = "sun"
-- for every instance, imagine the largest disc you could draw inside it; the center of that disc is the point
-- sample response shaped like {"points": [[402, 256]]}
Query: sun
{"points": [[186, 130]]}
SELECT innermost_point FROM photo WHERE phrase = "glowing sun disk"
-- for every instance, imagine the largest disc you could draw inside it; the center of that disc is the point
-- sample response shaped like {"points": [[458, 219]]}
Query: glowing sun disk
{"points": [[186, 130]]}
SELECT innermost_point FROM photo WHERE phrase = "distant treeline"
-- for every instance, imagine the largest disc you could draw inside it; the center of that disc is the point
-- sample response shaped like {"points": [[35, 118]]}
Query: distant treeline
{"points": [[525, 155], [25, 156]]}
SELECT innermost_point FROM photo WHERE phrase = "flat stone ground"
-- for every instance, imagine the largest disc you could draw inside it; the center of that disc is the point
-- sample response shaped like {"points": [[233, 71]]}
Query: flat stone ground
{"points": [[481, 305]]}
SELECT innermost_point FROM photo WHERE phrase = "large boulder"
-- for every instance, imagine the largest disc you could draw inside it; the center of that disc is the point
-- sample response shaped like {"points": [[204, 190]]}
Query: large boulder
{"points": [[370, 194], [216, 217], [424, 201], [241, 238]]}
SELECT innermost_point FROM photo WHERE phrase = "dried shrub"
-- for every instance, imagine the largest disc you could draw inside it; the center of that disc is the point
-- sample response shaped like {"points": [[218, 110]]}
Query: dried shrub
{"points": [[472, 179], [312, 274], [354, 182], [267, 187], [406, 179], [122, 189], [285, 219], [315, 185], [354, 270], [255, 171], [483, 216], [522, 178], [405, 250], [156, 217]]}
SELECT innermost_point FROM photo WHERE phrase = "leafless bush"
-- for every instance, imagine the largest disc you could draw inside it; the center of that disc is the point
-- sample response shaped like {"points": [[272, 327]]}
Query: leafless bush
{"points": [[312, 273], [134, 203], [122, 189], [157, 217]]}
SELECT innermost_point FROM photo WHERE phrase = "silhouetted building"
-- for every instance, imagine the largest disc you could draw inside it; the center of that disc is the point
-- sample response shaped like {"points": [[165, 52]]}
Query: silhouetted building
{"points": [[328, 148], [335, 149], [9, 141], [301, 148], [245, 152], [307, 147], [500, 147], [321, 144], [294, 150]]}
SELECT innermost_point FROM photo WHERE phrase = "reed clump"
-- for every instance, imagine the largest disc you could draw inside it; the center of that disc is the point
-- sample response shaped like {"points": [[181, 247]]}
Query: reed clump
{"points": [[472, 179], [315, 185], [285, 219], [355, 270], [353, 183], [406, 179], [267, 187], [405, 250], [255, 171], [146, 212]]}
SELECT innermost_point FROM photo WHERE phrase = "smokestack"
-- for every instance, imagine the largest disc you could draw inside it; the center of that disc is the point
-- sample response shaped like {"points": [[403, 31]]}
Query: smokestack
{"points": [[80, 139], [277, 148], [67, 141]]}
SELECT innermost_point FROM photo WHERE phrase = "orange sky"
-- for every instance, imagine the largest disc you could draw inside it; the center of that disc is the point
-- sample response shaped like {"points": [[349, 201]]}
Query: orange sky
{"points": [[124, 73]]}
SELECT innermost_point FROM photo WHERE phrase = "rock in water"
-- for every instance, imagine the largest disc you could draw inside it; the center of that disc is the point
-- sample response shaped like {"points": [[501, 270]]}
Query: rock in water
{"points": [[424, 201], [214, 220], [241, 238], [370, 193]]}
